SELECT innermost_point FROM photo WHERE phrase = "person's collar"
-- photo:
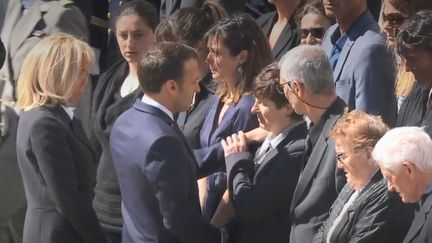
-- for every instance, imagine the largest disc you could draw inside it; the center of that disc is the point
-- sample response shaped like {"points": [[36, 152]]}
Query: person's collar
{"points": [[149, 101], [275, 140], [69, 111], [426, 194], [336, 107], [353, 31]]}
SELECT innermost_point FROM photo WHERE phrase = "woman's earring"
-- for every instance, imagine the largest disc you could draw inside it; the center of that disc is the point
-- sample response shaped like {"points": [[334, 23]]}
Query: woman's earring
{"points": [[240, 72]]}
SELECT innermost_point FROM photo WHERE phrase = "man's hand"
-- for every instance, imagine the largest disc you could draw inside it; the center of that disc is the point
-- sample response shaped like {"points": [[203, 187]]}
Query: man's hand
{"points": [[234, 143]]}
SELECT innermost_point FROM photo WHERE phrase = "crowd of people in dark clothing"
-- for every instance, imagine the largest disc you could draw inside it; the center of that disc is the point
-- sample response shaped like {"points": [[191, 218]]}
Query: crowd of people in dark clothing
{"points": [[301, 121]]}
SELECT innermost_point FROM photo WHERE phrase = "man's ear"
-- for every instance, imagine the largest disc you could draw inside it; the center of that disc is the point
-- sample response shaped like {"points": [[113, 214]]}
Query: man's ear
{"points": [[170, 87], [298, 88], [409, 168]]}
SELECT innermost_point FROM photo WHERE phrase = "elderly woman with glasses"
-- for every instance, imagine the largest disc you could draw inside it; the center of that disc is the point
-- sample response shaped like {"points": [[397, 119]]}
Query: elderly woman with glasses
{"points": [[414, 44], [364, 211]]}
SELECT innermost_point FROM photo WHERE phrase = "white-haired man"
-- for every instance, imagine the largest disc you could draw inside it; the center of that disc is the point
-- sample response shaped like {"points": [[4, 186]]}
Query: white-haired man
{"points": [[307, 79], [405, 157]]}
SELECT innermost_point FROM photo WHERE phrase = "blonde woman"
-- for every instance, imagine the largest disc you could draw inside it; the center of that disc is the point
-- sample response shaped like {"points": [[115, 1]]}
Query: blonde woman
{"points": [[56, 162]]}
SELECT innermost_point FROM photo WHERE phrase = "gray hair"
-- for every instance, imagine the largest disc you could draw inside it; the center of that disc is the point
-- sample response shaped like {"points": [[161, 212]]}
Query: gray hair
{"points": [[310, 66], [401, 144]]}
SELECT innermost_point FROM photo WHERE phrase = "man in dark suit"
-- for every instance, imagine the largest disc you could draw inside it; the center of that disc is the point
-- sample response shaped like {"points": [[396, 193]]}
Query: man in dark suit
{"points": [[405, 157], [155, 167], [261, 188], [363, 65], [307, 80]]}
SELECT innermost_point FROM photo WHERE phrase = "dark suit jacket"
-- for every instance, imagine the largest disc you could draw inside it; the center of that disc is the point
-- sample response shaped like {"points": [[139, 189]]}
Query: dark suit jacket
{"points": [[319, 183], [420, 230], [262, 196], [376, 215], [364, 74], [157, 175], [58, 169], [288, 39]]}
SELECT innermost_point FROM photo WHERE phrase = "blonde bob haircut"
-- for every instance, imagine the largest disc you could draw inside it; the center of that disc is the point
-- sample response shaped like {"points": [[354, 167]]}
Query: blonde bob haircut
{"points": [[51, 69]]}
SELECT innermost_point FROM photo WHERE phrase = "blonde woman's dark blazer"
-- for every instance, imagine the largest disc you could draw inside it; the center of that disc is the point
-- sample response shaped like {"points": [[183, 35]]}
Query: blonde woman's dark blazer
{"points": [[58, 169]]}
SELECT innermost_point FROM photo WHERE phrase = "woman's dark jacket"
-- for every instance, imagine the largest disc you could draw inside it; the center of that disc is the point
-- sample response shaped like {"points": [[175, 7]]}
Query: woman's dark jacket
{"points": [[107, 105], [376, 215]]}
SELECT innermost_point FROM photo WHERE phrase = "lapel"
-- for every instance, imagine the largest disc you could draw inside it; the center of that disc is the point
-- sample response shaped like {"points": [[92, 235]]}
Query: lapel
{"points": [[154, 111], [78, 132], [266, 28], [296, 132], [286, 37], [318, 152], [12, 16], [209, 132], [342, 58], [419, 220], [226, 121], [206, 129], [363, 23], [26, 25]]}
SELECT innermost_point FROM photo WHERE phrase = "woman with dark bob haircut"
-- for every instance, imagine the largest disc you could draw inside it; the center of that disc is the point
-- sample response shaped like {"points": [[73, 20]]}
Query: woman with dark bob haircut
{"points": [[414, 44], [238, 50]]}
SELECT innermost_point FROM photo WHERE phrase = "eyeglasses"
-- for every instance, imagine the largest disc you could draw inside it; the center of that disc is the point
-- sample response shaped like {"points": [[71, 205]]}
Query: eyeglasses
{"points": [[341, 157], [317, 32], [280, 89], [394, 19], [406, 40], [412, 39]]}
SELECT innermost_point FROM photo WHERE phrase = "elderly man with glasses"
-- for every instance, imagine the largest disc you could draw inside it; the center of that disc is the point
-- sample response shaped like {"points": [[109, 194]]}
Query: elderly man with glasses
{"points": [[307, 81]]}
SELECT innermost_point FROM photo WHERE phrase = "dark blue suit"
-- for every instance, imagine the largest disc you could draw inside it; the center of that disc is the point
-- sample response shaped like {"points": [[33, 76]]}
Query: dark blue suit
{"points": [[157, 175], [211, 157]]}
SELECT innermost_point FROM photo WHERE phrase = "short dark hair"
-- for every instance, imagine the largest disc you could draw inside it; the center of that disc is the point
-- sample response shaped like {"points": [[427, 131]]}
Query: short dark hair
{"points": [[163, 62], [416, 32], [266, 87], [145, 10]]}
